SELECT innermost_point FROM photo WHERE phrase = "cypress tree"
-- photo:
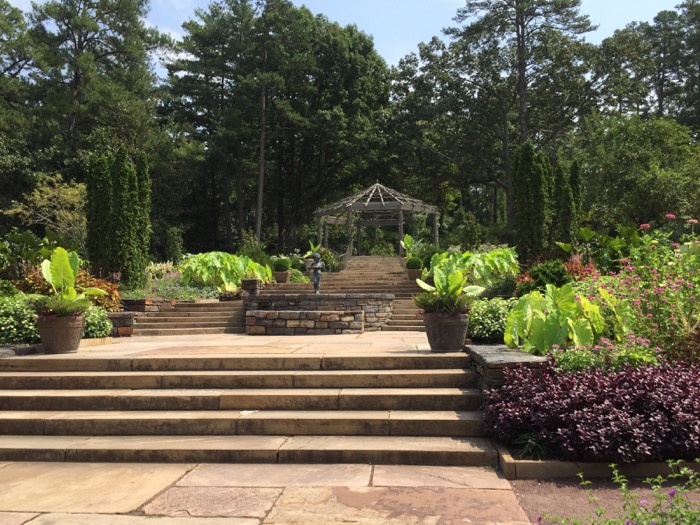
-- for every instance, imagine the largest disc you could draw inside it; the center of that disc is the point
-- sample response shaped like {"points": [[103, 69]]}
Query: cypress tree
{"points": [[565, 215], [99, 214], [143, 213], [576, 183], [531, 192], [125, 221]]}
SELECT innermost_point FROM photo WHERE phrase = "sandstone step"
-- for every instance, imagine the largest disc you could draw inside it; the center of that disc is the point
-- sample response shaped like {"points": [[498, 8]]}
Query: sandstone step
{"points": [[174, 322], [244, 399], [418, 450], [187, 331], [195, 314], [239, 379], [402, 328], [230, 422], [301, 362]]}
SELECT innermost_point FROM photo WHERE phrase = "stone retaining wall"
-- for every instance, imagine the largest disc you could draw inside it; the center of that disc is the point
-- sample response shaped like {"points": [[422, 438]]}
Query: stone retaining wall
{"points": [[377, 308], [303, 322], [491, 361]]}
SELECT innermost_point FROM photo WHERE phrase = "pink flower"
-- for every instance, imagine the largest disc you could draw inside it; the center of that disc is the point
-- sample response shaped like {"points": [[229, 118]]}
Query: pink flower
{"points": [[670, 216], [644, 226], [692, 221]]}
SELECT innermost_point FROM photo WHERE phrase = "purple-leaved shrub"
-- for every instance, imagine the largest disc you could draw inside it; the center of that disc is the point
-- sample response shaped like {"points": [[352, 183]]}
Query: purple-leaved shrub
{"points": [[650, 413]]}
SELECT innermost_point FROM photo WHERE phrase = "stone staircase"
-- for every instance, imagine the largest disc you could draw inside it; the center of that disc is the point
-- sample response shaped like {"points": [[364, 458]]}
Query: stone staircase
{"points": [[369, 274], [362, 274], [390, 408], [192, 318]]}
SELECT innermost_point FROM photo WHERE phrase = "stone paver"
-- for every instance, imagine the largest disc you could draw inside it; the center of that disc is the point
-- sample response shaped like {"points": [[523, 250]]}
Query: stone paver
{"points": [[277, 476], [452, 477], [96, 519], [236, 502], [394, 506], [15, 518], [83, 487]]}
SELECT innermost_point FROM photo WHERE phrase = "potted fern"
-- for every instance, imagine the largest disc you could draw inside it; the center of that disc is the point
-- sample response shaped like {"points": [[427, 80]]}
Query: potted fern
{"points": [[60, 314]]}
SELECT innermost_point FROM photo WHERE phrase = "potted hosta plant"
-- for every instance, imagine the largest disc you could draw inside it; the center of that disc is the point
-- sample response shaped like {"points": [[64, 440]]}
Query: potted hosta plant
{"points": [[414, 268], [60, 314], [446, 308], [280, 267]]}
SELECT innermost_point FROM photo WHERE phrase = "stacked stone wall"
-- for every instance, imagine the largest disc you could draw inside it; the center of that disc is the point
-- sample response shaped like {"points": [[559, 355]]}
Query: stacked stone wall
{"points": [[377, 308], [303, 322]]}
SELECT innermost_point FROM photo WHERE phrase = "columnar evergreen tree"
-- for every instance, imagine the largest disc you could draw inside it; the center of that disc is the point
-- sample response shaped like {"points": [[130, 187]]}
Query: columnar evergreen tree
{"points": [[98, 180], [576, 184], [143, 213], [564, 207], [531, 192]]}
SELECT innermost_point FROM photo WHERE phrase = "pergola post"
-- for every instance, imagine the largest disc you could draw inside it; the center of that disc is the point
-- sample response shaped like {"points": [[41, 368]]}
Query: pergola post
{"points": [[325, 235], [400, 231], [348, 252], [359, 239], [435, 228], [319, 229]]}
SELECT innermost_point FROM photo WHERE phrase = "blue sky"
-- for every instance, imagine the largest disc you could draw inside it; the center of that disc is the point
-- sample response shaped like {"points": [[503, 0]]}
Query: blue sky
{"points": [[399, 25]]}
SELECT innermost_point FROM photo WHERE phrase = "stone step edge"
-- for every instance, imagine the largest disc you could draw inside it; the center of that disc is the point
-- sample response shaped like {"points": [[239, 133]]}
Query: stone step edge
{"points": [[241, 362], [418, 450]]}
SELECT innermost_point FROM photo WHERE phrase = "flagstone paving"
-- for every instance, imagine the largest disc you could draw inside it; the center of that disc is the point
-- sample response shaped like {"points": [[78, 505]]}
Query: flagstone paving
{"points": [[253, 494]]}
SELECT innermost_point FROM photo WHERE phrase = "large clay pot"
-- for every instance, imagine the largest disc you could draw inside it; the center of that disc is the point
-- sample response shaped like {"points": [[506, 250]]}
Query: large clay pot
{"points": [[281, 277], [60, 335], [414, 274], [446, 333]]}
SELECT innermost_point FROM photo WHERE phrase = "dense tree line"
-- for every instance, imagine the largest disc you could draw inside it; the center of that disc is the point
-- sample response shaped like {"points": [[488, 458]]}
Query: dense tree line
{"points": [[268, 112]]}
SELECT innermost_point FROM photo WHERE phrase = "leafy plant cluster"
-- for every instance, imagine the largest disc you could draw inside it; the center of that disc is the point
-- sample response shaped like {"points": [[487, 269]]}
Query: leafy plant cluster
{"points": [[97, 323], [669, 503], [488, 318], [17, 321], [542, 274], [222, 270], [563, 318], [632, 352], [651, 413]]}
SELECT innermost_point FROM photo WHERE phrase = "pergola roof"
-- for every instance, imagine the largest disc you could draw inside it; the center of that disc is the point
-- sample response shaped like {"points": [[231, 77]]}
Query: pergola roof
{"points": [[381, 203]]}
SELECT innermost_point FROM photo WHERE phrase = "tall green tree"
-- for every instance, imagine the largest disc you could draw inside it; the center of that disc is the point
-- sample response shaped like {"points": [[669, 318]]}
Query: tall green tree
{"points": [[533, 184], [92, 79], [520, 26]]}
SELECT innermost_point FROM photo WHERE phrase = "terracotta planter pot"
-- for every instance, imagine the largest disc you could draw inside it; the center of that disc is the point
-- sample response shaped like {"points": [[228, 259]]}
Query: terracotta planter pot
{"points": [[414, 274], [60, 335], [282, 277], [446, 333]]}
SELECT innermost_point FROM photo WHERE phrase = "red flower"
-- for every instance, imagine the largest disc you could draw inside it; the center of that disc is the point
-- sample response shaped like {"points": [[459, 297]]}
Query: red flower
{"points": [[644, 226], [670, 216]]}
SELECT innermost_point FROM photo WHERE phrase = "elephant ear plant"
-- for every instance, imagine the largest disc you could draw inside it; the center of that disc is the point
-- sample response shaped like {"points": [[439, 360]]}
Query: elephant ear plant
{"points": [[449, 295], [60, 272]]}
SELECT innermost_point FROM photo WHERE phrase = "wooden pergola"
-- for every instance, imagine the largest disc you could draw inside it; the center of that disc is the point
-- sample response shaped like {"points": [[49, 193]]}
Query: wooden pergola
{"points": [[374, 206]]}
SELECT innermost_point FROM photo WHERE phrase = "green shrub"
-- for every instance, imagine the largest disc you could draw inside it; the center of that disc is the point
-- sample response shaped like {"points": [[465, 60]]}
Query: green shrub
{"points": [[542, 274], [331, 260], [633, 352], [7, 289], [172, 287], [297, 277], [17, 321], [414, 263], [281, 264], [97, 323], [488, 319]]}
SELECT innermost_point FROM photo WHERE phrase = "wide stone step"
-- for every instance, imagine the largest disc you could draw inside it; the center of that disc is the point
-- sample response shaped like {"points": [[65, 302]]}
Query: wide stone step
{"points": [[244, 399], [196, 314], [239, 379], [231, 422], [386, 450], [403, 328], [298, 362], [187, 331]]}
